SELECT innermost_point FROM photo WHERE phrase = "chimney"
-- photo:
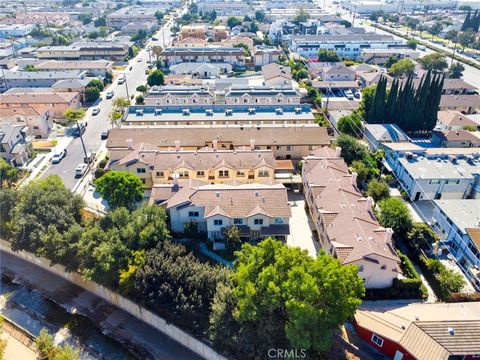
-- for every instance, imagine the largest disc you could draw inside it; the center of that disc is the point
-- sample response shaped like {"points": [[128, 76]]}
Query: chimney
{"points": [[338, 151], [175, 179], [214, 143], [252, 144], [177, 145], [388, 235], [370, 204], [354, 178], [130, 144]]}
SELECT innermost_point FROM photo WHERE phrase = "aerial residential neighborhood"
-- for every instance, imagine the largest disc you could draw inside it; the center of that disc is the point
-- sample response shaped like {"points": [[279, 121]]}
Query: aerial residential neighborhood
{"points": [[210, 179]]}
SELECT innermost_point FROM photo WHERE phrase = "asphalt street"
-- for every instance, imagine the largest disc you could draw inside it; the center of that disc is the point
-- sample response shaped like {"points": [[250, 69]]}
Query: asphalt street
{"points": [[96, 124]]}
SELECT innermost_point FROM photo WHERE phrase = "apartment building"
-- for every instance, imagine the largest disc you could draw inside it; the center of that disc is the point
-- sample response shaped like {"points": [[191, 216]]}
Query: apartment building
{"points": [[131, 14], [192, 31], [55, 102], [258, 211], [345, 221], [346, 46], [115, 49], [286, 142], [438, 175], [91, 67], [15, 30], [180, 95], [216, 115], [380, 56], [38, 122], [191, 42], [15, 144], [226, 8], [201, 70], [208, 164], [458, 224], [40, 18], [263, 55], [234, 56], [39, 79], [262, 95]]}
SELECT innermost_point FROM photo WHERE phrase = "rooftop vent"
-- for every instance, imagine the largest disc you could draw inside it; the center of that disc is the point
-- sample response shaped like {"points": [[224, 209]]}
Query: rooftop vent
{"points": [[139, 112], [451, 331], [251, 111], [157, 111], [209, 112], [217, 194], [298, 110], [257, 194], [186, 112], [229, 112], [279, 111]]}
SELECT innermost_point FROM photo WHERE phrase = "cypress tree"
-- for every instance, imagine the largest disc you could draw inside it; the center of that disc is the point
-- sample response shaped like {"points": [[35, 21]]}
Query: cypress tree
{"points": [[408, 105], [390, 104], [376, 113], [466, 22], [475, 22], [421, 99]]}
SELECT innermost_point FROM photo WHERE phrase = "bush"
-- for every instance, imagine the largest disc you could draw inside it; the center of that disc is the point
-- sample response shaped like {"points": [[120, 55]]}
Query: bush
{"points": [[395, 214], [407, 266], [99, 172]]}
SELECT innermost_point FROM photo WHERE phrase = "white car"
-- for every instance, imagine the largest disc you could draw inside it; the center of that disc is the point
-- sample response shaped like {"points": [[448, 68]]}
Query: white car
{"points": [[348, 94], [80, 170], [139, 59], [56, 158], [95, 111]]}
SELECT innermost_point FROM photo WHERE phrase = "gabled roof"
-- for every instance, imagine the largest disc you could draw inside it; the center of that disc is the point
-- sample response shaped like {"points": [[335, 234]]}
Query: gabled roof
{"points": [[271, 71]]}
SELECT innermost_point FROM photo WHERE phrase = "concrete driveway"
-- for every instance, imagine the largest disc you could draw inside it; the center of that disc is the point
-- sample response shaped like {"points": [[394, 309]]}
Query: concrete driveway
{"points": [[301, 226]]}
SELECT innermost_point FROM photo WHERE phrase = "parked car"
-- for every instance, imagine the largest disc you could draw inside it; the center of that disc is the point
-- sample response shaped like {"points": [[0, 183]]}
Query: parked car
{"points": [[104, 134], [79, 129], [356, 94], [59, 156], [348, 94], [80, 170], [139, 59], [95, 111], [154, 38], [90, 157], [109, 94], [121, 80]]}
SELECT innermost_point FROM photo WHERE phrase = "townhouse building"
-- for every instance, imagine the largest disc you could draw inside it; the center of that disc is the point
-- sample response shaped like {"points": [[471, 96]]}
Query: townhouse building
{"points": [[179, 95], [262, 95], [454, 120], [190, 41], [39, 79], [224, 8], [346, 46], [286, 142], [233, 56], [91, 67], [116, 49], [263, 55], [457, 222], [55, 102], [15, 144], [217, 115], [208, 164], [344, 219], [201, 70], [258, 211], [131, 14]]}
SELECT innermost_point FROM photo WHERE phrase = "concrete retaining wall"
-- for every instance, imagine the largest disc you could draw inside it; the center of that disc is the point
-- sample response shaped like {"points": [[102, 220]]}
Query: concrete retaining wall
{"points": [[121, 302]]}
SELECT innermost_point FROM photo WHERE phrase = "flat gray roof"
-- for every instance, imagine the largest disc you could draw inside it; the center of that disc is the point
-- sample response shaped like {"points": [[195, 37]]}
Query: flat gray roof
{"points": [[465, 213], [424, 168]]}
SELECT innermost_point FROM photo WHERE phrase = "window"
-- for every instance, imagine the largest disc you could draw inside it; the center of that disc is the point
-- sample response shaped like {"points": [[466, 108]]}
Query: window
{"points": [[218, 222], [434, 182], [360, 268], [141, 171], [278, 220], [200, 173], [160, 174], [237, 221], [258, 221], [223, 173], [193, 214], [240, 173], [183, 174], [377, 340], [263, 173], [289, 148], [453, 182]]}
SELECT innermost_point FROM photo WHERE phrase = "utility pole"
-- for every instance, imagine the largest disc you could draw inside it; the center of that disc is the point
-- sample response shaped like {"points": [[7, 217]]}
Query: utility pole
{"points": [[126, 88], [329, 92], [149, 55], [4, 78], [81, 139], [354, 13]]}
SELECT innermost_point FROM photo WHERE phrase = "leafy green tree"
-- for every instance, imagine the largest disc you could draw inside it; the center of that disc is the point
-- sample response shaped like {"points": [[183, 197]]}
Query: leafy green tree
{"points": [[155, 78], [101, 21], [49, 351], [44, 206], [85, 18], [159, 16], [91, 94], [367, 98], [403, 67], [396, 215], [350, 124], [434, 62], [421, 236], [301, 16], [175, 284], [300, 74], [245, 48], [362, 170], [412, 44], [139, 36], [450, 281], [141, 88], [233, 21], [140, 100], [455, 71], [30, 68], [390, 61], [351, 148], [8, 200], [451, 35], [259, 16], [435, 29], [232, 237], [8, 174], [325, 55], [74, 115], [378, 190], [96, 83], [93, 35], [120, 189], [466, 38], [286, 298]]}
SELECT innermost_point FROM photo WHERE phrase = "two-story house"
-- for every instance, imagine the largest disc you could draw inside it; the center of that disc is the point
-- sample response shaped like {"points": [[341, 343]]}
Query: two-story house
{"points": [[15, 144], [258, 211], [39, 122]]}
